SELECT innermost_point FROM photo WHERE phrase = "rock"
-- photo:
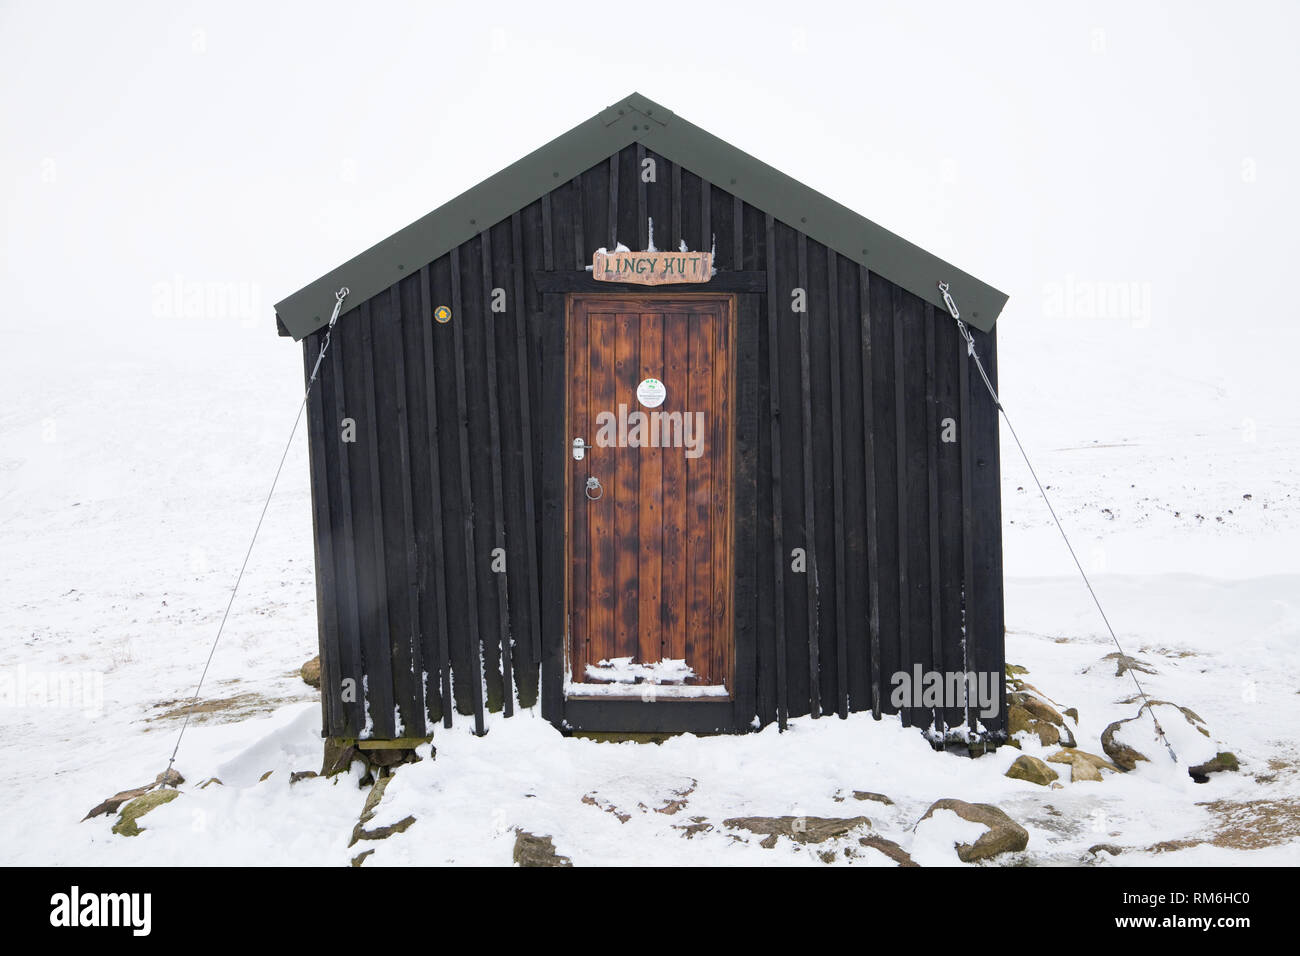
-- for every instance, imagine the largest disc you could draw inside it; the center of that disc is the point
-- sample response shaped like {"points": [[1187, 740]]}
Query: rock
{"points": [[361, 857], [297, 775], [863, 795], [265, 776], [799, 829], [1015, 669], [1222, 762], [1110, 848], [1082, 770], [359, 832], [1093, 763], [127, 823], [1031, 769], [338, 756], [697, 825], [1072, 713], [310, 672], [116, 800], [1019, 719], [1003, 835], [1124, 756], [890, 849], [532, 850], [1124, 664], [210, 781], [168, 778]]}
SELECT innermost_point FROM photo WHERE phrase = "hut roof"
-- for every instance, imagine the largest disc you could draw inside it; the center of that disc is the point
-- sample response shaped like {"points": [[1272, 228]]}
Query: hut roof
{"points": [[636, 119]]}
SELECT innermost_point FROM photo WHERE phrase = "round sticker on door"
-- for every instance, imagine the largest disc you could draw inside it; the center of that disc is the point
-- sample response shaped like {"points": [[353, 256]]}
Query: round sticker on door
{"points": [[651, 393]]}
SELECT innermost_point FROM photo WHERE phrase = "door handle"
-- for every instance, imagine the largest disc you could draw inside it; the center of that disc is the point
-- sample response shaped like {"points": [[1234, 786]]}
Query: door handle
{"points": [[593, 484]]}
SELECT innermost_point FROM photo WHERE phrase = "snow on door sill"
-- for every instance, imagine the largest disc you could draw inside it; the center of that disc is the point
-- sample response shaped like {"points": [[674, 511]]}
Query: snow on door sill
{"points": [[621, 677]]}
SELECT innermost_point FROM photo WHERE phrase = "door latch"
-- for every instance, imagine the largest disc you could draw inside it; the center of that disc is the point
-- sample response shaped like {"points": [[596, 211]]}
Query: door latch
{"points": [[579, 449]]}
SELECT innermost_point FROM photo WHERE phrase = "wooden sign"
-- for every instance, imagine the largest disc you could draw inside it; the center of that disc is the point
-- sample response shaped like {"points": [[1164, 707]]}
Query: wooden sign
{"points": [[652, 268]]}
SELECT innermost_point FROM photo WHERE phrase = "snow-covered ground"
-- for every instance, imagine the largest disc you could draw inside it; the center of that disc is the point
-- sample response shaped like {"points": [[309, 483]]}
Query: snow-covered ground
{"points": [[134, 460]]}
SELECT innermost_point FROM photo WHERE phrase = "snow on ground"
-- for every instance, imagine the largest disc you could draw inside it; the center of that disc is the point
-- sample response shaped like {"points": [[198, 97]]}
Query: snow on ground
{"points": [[133, 463]]}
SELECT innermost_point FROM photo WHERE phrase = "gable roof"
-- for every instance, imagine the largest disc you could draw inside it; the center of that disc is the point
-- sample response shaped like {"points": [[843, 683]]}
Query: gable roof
{"points": [[631, 120]]}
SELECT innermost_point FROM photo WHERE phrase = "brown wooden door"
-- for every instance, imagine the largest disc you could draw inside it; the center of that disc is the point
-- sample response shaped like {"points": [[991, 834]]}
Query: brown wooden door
{"points": [[650, 548]]}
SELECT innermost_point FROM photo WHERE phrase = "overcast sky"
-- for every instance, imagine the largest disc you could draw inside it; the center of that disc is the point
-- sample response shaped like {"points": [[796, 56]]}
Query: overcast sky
{"points": [[1038, 146]]}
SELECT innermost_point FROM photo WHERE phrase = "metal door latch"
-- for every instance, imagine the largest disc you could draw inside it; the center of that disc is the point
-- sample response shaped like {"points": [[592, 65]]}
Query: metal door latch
{"points": [[579, 449]]}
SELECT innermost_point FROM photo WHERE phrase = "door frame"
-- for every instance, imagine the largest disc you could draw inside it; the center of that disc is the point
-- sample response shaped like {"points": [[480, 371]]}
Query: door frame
{"points": [[731, 317]]}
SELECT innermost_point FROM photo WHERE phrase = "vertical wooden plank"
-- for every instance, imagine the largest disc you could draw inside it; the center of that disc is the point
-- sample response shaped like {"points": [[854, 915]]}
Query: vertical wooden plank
{"points": [[738, 235], [581, 425], [706, 212], [351, 666], [613, 202], [950, 355], [673, 573], [554, 455], [900, 458], [642, 222], [412, 706], [602, 563], [745, 321], [548, 253], [627, 552], [677, 207], [966, 383], [810, 522], [526, 432], [650, 530], [774, 416], [873, 528], [580, 260], [489, 319], [837, 456], [327, 591], [466, 483], [932, 472], [699, 500], [437, 570], [379, 663], [986, 628], [719, 431]]}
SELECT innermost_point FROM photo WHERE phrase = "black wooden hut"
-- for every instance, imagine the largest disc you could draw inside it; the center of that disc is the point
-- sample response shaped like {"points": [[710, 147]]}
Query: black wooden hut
{"points": [[822, 536]]}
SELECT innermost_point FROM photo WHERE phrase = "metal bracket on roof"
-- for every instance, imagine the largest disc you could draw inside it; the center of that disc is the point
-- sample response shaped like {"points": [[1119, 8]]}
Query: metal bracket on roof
{"points": [[639, 107]]}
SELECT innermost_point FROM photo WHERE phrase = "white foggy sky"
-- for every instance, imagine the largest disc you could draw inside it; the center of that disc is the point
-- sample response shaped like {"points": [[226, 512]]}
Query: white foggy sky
{"points": [[265, 143]]}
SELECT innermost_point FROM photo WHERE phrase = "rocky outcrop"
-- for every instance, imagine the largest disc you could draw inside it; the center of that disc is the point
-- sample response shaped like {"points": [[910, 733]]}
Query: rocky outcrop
{"points": [[798, 829], [128, 823], [1002, 834], [533, 850], [1031, 769]]}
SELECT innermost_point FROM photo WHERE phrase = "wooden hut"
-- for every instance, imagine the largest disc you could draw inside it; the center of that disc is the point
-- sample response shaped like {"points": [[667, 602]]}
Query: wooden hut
{"points": [[750, 477]]}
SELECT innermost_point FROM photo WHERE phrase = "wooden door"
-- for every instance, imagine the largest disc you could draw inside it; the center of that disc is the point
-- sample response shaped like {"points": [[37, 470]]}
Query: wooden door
{"points": [[650, 502]]}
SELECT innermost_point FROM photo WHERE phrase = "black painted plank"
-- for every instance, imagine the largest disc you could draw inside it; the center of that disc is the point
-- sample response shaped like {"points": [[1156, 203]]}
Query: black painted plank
{"points": [[467, 499], [809, 506], [885, 436], [968, 507], [900, 486], [327, 589], [950, 355], [494, 451], [935, 550], [554, 624], [526, 432], [350, 665], [837, 473], [746, 558], [435, 561], [987, 640], [869, 488], [407, 658], [774, 417], [379, 664]]}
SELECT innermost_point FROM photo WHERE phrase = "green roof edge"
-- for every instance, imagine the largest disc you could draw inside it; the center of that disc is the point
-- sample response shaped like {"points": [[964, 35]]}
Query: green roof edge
{"points": [[635, 119]]}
